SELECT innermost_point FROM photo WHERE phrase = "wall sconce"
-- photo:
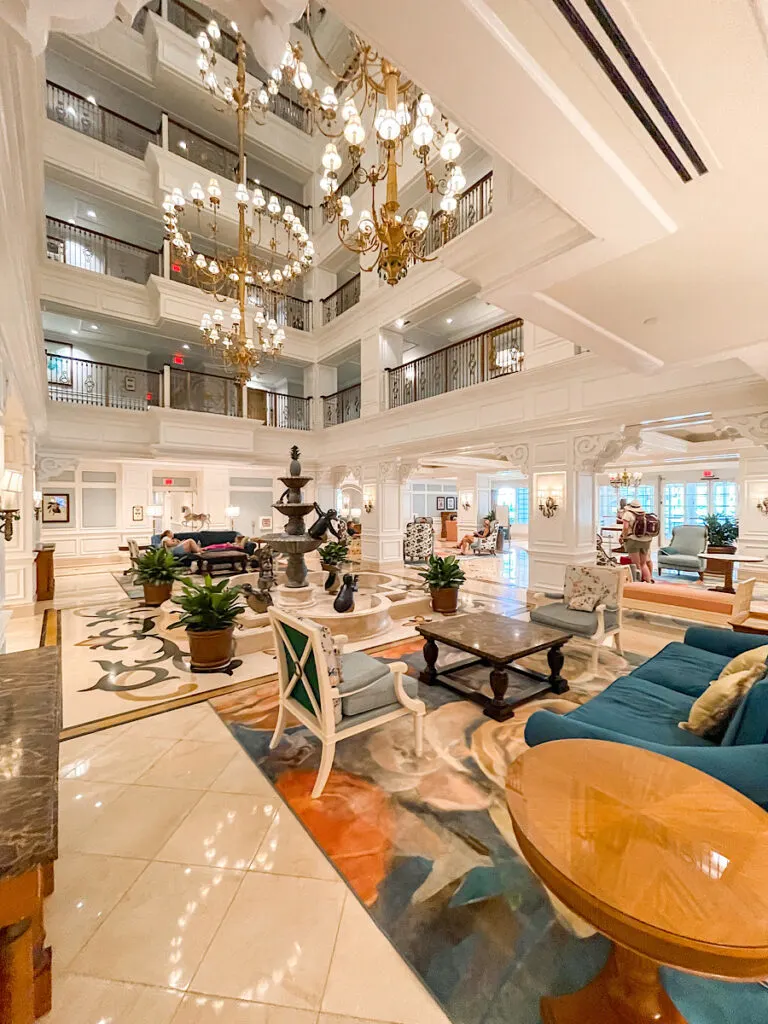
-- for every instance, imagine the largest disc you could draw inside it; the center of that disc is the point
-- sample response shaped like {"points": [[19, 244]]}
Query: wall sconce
{"points": [[233, 511], [9, 516], [549, 504], [155, 512], [762, 506], [368, 500], [37, 497], [466, 500], [10, 486]]}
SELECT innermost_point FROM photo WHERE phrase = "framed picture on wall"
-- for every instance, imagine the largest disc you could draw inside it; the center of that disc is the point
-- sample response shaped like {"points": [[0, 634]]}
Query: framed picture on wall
{"points": [[440, 504], [265, 523], [129, 382], [138, 513], [55, 508], [451, 504]]}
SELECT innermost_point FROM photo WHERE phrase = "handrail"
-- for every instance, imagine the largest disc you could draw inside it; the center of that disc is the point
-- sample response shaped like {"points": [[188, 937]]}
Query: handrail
{"points": [[342, 299], [335, 394], [100, 234], [79, 381], [101, 106], [342, 406]]}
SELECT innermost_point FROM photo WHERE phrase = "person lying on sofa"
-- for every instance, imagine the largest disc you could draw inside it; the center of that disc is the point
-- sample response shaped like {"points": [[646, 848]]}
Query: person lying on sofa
{"points": [[240, 543], [179, 547]]}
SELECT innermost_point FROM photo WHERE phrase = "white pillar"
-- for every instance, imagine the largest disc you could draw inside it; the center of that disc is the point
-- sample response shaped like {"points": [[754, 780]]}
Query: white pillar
{"points": [[468, 518], [753, 524], [382, 539], [164, 130], [319, 380], [318, 284], [378, 350], [167, 386]]}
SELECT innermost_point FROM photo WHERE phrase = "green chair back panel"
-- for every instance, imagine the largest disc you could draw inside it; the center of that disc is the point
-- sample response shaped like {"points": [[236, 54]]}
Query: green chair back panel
{"points": [[299, 642]]}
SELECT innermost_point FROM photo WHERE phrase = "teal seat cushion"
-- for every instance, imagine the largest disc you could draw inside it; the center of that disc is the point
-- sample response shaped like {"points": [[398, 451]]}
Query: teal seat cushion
{"points": [[368, 685], [561, 616], [683, 561], [636, 707], [682, 667], [750, 723]]}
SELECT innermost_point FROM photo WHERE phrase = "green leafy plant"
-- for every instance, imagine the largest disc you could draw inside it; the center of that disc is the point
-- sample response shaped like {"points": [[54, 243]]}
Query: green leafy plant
{"points": [[721, 529], [207, 606], [334, 552], [156, 566], [491, 516], [443, 573]]}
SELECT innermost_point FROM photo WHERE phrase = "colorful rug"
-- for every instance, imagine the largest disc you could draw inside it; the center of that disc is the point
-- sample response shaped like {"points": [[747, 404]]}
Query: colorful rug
{"points": [[428, 848]]}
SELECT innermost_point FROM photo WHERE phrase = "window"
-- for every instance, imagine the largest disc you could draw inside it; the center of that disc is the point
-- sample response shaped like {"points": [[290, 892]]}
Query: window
{"points": [[608, 500], [516, 499], [688, 503]]}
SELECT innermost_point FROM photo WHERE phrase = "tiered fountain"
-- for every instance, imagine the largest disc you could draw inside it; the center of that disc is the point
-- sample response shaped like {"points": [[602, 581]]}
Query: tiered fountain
{"points": [[294, 540]]}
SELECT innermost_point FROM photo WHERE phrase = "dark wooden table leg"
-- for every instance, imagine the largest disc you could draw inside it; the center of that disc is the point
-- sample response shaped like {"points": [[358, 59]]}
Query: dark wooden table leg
{"points": [[498, 708], [556, 660], [429, 676]]}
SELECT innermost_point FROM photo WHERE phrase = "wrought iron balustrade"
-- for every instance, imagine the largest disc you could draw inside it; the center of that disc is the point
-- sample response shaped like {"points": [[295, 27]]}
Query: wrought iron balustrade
{"points": [[274, 409], [205, 392], [102, 254], [85, 382], [100, 123], [345, 297], [224, 162], [476, 202], [342, 406], [285, 105], [494, 353]]}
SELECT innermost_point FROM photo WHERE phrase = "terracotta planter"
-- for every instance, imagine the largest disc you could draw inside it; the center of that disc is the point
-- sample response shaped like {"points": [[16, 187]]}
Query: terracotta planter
{"points": [[156, 593], [715, 567], [445, 599], [210, 651]]}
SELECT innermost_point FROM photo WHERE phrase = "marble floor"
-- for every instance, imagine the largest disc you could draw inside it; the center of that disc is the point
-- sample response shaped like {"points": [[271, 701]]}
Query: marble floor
{"points": [[187, 892]]}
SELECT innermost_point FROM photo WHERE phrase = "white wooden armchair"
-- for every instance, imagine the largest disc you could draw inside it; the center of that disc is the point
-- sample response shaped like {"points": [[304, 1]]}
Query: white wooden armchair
{"points": [[337, 695]]}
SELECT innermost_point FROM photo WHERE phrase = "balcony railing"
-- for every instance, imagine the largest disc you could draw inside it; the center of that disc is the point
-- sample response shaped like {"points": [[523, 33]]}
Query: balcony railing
{"points": [[285, 105], [102, 254], [204, 392], [344, 298], [494, 353], [475, 203], [100, 123], [342, 406], [84, 382], [276, 410], [224, 162]]}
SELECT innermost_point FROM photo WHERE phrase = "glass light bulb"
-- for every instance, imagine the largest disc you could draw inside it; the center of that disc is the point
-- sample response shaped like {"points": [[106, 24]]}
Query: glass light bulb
{"points": [[259, 319], [326, 185], [354, 132], [258, 199], [213, 267], [349, 109], [196, 192], [346, 208], [211, 81], [424, 106], [206, 322], [200, 260], [263, 97], [279, 336], [331, 159], [423, 133], [218, 316], [213, 189], [272, 87], [235, 315], [273, 206], [448, 203], [272, 325], [457, 181], [241, 193], [203, 41], [296, 267], [302, 80], [213, 30], [387, 126], [329, 101], [403, 114], [277, 276], [450, 148], [288, 214], [288, 60], [202, 62], [421, 221], [365, 224]]}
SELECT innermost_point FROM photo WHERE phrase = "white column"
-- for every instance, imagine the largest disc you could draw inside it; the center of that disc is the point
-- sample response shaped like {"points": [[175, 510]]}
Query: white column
{"points": [[468, 518], [319, 380], [167, 386], [378, 350], [318, 283], [753, 524], [164, 130], [382, 539], [567, 537]]}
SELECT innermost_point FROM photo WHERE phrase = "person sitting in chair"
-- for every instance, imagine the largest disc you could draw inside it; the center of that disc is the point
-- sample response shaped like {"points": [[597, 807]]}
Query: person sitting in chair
{"points": [[468, 538], [177, 547]]}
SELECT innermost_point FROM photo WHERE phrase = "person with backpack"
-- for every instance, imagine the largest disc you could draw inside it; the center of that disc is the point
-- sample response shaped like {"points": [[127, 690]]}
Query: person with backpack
{"points": [[640, 527]]}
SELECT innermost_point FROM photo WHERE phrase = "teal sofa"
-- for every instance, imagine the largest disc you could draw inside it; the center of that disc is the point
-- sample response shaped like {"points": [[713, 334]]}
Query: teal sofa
{"points": [[643, 709]]}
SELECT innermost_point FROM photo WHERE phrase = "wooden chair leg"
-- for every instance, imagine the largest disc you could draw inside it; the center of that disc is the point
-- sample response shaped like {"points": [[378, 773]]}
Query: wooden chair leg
{"points": [[326, 763]]}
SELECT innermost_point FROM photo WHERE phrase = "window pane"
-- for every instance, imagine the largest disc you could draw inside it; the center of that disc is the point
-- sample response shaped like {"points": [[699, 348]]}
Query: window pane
{"points": [[724, 497], [674, 507], [522, 505], [696, 502]]}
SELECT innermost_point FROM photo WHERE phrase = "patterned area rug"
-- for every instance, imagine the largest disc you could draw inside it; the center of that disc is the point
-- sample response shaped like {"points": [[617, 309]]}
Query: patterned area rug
{"points": [[428, 848]]}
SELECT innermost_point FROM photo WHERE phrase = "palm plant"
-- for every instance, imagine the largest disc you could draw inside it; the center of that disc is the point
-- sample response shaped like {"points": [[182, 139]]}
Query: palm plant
{"points": [[207, 606], [155, 567]]}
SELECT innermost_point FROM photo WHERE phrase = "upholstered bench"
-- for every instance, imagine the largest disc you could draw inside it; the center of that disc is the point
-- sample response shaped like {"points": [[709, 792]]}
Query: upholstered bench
{"points": [[689, 602]]}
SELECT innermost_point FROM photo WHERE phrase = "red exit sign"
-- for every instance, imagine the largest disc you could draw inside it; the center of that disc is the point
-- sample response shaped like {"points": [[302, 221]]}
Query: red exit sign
{"points": [[168, 481], [707, 473], [178, 359]]}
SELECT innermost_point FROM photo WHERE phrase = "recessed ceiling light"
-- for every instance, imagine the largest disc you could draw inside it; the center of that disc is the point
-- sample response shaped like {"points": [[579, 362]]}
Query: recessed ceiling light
{"points": [[92, 214], [73, 330], [449, 319], [186, 347], [92, 99], [399, 322], [94, 327], [71, 220], [182, 144]]}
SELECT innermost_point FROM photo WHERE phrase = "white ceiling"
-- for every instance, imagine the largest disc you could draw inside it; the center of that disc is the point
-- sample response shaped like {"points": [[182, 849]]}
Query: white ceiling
{"points": [[430, 329]]}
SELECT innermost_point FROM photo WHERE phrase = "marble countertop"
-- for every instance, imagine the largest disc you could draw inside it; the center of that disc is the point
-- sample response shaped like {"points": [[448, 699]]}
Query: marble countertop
{"points": [[30, 721]]}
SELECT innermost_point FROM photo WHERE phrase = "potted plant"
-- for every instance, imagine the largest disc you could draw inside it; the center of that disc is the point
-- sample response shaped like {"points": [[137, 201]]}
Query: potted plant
{"points": [[722, 531], [443, 576], [332, 555], [157, 570], [208, 614]]}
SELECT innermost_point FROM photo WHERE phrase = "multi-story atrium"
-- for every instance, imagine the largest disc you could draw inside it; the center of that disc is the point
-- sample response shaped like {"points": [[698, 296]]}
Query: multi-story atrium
{"points": [[384, 568]]}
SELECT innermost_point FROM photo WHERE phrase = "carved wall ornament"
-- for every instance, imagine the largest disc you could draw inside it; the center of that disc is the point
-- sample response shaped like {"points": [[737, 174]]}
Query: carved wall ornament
{"points": [[593, 452], [518, 455], [752, 426], [49, 468]]}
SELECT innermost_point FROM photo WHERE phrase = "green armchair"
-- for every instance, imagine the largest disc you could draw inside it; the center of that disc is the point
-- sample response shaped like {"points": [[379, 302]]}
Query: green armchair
{"points": [[683, 550]]}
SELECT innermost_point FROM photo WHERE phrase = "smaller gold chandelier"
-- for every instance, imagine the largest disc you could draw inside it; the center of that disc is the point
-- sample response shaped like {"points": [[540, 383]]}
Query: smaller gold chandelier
{"points": [[623, 478], [233, 343]]}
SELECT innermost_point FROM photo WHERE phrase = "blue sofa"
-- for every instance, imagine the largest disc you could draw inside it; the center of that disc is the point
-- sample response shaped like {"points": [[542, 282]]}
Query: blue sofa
{"points": [[203, 537], [643, 709]]}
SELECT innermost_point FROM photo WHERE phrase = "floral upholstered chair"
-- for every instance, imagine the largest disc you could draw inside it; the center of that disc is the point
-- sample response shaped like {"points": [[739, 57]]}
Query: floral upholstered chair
{"points": [[419, 541], [591, 606], [337, 695], [487, 545]]}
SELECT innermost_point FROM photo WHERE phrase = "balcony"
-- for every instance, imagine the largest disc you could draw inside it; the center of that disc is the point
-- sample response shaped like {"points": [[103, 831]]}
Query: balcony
{"points": [[487, 356], [345, 297], [86, 382], [342, 406], [97, 122], [101, 254]]}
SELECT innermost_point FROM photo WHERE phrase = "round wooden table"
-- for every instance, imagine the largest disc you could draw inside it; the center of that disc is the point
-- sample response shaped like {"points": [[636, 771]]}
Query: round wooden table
{"points": [[728, 563], [669, 863]]}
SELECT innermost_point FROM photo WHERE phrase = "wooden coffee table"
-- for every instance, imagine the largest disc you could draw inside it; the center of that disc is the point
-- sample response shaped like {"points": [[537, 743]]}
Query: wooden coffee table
{"points": [[497, 641], [667, 862], [212, 560]]}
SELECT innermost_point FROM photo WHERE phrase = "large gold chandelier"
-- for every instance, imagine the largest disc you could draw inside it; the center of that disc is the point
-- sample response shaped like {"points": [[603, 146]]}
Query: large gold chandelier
{"points": [[254, 281], [374, 90]]}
